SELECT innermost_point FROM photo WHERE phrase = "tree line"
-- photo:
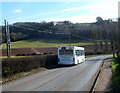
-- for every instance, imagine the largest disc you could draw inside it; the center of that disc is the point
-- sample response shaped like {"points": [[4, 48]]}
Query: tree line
{"points": [[107, 32]]}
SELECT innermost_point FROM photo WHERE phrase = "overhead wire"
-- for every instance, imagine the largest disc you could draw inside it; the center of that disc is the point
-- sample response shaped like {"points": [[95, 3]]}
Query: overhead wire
{"points": [[58, 33]]}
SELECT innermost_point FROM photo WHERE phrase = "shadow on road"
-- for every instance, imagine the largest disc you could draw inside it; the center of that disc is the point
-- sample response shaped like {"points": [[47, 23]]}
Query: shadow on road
{"points": [[58, 66]]}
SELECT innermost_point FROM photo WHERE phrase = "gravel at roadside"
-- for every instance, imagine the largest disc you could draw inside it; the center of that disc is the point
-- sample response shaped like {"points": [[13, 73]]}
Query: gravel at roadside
{"points": [[105, 79]]}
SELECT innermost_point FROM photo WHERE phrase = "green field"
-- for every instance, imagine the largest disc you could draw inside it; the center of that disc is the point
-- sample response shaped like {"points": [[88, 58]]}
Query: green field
{"points": [[34, 43]]}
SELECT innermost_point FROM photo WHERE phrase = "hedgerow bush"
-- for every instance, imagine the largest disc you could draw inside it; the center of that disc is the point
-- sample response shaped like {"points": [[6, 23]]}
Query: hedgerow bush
{"points": [[12, 66], [116, 75]]}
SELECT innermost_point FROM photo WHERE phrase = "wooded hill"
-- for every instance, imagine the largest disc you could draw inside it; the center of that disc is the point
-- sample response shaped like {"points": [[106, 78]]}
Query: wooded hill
{"points": [[48, 30], [59, 30]]}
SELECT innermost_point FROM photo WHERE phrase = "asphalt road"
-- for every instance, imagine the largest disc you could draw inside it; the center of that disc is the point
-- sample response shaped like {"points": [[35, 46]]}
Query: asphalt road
{"points": [[67, 78]]}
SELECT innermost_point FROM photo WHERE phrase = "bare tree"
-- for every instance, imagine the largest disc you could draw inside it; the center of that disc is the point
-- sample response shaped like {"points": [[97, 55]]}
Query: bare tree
{"points": [[95, 37], [118, 39]]}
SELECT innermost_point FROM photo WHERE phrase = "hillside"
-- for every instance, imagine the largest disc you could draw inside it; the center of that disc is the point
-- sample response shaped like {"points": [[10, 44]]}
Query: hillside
{"points": [[38, 43], [48, 30]]}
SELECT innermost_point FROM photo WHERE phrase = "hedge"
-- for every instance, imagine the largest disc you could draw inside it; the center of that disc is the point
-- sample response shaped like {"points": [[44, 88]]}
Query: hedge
{"points": [[12, 66]]}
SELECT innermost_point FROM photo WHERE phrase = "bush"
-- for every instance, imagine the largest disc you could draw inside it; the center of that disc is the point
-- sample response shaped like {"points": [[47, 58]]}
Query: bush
{"points": [[50, 53], [23, 54], [45, 53], [28, 54], [18, 55], [12, 66], [51, 60], [33, 54], [116, 75]]}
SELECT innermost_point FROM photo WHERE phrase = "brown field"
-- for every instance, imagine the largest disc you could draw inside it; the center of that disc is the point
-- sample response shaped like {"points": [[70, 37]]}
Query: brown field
{"points": [[88, 49]]}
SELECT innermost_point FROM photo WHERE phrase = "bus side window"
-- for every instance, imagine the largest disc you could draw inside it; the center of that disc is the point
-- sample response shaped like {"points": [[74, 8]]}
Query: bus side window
{"points": [[82, 52], [78, 52]]}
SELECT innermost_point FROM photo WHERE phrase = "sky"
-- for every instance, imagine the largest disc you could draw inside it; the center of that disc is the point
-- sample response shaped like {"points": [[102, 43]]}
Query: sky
{"points": [[76, 11]]}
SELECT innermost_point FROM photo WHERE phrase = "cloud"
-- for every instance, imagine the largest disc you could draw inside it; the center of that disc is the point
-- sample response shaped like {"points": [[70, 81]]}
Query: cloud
{"points": [[17, 11], [105, 9], [75, 19], [110, 6]]}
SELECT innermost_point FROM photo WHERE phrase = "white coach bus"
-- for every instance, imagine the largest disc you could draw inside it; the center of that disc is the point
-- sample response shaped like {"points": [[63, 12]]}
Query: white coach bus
{"points": [[68, 55]]}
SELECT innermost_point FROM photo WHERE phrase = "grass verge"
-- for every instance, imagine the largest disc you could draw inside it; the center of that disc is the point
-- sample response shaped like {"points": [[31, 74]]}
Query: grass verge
{"points": [[13, 56], [116, 75], [22, 74]]}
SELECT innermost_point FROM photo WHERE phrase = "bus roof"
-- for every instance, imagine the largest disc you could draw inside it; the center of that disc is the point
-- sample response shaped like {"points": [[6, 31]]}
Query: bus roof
{"points": [[68, 47]]}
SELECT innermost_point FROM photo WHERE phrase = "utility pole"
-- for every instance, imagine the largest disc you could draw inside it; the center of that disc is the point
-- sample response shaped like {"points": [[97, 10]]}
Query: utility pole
{"points": [[8, 41], [6, 35], [7, 38]]}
